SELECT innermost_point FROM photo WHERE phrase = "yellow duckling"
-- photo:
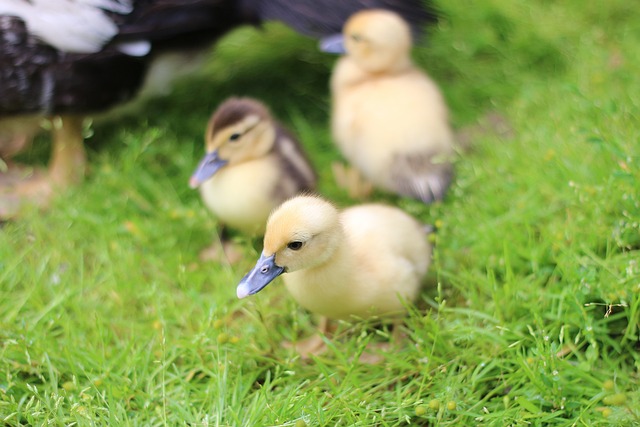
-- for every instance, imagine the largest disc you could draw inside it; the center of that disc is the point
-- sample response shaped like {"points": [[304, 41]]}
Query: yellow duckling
{"points": [[251, 166], [362, 262], [389, 118]]}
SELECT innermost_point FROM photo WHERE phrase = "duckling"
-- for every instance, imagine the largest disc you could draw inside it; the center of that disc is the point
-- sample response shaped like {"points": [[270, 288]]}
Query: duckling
{"points": [[389, 119], [365, 261], [251, 165], [72, 59]]}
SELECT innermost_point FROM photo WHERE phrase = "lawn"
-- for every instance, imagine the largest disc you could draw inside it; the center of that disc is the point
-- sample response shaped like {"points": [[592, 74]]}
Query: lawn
{"points": [[531, 313]]}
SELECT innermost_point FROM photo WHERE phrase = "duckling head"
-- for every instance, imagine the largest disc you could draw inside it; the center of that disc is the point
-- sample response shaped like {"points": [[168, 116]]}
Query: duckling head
{"points": [[304, 232], [377, 40], [240, 130]]}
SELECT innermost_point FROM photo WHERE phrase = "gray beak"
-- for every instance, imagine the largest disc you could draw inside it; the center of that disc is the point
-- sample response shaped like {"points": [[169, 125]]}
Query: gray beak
{"points": [[209, 165], [333, 44], [260, 276]]}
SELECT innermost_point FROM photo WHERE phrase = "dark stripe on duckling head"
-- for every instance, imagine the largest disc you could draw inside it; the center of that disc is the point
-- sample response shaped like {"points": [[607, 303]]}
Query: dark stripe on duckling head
{"points": [[235, 110]]}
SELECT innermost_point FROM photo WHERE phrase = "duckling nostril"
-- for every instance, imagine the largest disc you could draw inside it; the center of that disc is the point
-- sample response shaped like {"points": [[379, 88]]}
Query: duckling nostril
{"points": [[264, 269]]}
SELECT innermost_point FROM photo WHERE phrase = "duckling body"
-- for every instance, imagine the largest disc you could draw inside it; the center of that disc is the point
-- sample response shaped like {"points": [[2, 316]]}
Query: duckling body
{"points": [[389, 118], [365, 261], [251, 166], [366, 285]]}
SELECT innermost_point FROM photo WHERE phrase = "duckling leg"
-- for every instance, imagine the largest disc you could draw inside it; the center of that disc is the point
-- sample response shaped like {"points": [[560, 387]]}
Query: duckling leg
{"points": [[374, 353], [350, 179], [30, 186], [232, 251], [223, 249], [313, 345]]}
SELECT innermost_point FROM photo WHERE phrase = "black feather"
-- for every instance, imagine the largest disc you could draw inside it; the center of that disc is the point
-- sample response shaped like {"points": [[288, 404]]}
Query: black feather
{"points": [[37, 79]]}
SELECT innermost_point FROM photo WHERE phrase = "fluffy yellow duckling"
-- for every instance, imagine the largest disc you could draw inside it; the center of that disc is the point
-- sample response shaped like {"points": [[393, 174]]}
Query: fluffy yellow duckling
{"points": [[251, 165], [364, 261], [389, 118]]}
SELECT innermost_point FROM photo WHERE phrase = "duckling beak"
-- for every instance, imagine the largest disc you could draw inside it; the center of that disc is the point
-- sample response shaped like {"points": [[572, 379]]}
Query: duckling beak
{"points": [[333, 44], [260, 276], [208, 166]]}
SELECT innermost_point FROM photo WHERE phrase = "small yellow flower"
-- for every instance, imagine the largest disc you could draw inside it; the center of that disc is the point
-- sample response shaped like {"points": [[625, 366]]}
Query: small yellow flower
{"points": [[218, 323], [549, 155], [615, 399], [223, 338], [69, 386]]}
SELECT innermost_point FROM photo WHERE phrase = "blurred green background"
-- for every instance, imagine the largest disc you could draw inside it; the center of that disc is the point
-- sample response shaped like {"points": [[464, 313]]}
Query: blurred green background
{"points": [[531, 313]]}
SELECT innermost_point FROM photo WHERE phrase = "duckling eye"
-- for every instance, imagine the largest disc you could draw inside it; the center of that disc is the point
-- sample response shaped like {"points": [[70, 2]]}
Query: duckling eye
{"points": [[234, 136], [295, 245], [356, 37]]}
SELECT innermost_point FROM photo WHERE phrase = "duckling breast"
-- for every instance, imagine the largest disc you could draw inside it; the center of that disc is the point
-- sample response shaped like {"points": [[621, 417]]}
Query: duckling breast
{"points": [[241, 196]]}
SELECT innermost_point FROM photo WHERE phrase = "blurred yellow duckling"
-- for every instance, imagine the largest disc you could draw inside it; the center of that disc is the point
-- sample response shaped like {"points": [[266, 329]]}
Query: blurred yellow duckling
{"points": [[250, 167], [365, 261], [389, 118]]}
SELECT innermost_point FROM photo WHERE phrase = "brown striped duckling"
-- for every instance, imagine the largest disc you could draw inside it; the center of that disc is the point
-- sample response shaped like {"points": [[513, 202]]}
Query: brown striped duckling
{"points": [[251, 166], [364, 261], [389, 119]]}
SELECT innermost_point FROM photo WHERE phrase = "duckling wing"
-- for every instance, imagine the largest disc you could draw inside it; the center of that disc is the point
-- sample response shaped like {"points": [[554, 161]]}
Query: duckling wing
{"points": [[421, 176], [391, 252], [297, 174]]}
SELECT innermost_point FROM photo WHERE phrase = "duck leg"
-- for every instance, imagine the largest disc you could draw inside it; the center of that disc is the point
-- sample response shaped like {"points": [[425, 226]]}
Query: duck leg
{"points": [[9, 146], [223, 249], [20, 186], [68, 157], [357, 186], [374, 353], [313, 345]]}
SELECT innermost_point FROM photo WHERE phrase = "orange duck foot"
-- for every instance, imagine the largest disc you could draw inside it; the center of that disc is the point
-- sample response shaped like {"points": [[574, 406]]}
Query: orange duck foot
{"points": [[313, 345]]}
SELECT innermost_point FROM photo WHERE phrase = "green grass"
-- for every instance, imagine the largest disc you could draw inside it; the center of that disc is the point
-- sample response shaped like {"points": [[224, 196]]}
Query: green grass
{"points": [[532, 312]]}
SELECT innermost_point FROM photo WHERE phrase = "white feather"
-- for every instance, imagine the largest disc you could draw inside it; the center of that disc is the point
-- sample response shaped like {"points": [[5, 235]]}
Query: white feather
{"points": [[135, 48], [77, 26]]}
